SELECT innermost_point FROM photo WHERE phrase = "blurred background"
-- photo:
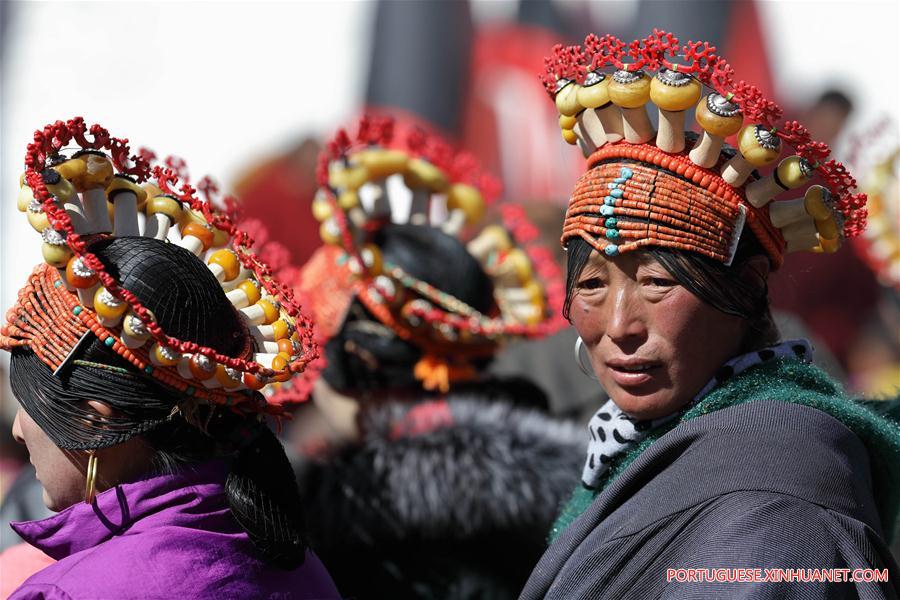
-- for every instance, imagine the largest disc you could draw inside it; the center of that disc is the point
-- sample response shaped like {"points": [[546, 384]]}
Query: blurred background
{"points": [[248, 91]]}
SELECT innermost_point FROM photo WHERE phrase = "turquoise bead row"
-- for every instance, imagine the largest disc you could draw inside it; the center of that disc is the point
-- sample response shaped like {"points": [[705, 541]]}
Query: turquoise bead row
{"points": [[616, 192]]}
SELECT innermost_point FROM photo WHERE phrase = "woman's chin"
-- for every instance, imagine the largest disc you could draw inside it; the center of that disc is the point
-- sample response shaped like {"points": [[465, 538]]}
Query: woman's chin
{"points": [[643, 407], [48, 501], [56, 504]]}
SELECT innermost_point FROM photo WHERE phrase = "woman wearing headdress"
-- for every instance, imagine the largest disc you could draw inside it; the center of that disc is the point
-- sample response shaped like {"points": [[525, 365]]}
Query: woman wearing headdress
{"points": [[441, 482], [137, 357], [721, 448]]}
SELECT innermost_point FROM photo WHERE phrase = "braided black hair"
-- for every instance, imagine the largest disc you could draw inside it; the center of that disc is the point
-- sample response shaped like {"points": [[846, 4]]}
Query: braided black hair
{"points": [[189, 304], [366, 355]]}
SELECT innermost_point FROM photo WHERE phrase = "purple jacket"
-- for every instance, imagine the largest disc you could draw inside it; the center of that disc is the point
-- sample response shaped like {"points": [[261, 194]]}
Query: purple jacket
{"points": [[165, 537]]}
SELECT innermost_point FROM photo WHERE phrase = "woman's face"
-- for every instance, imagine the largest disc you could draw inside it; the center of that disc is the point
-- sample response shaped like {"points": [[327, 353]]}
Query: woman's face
{"points": [[60, 472], [652, 343]]}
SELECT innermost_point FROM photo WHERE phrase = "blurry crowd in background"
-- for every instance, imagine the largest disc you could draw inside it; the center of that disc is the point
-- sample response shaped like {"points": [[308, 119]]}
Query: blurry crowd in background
{"points": [[468, 71]]}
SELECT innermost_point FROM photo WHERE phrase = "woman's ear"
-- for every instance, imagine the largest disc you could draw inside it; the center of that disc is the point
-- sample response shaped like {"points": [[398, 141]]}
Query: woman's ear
{"points": [[101, 408]]}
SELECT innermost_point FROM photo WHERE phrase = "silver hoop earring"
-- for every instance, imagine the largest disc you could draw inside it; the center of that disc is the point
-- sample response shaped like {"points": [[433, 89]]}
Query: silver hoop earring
{"points": [[579, 344]]}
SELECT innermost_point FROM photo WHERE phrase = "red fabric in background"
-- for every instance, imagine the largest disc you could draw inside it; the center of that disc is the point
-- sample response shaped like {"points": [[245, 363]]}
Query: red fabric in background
{"points": [[279, 193], [747, 48], [834, 295], [510, 124]]}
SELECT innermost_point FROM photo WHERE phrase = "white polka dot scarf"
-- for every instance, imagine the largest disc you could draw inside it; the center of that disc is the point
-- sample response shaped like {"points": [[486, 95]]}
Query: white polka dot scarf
{"points": [[613, 432]]}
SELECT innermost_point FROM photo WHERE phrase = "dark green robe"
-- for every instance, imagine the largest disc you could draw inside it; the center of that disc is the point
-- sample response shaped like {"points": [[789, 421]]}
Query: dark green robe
{"points": [[772, 469]]}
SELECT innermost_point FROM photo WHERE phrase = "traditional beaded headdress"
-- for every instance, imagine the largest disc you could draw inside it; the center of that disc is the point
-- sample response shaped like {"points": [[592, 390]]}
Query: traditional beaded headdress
{"points": [[74, 199], [362, 181], [648, 188]]}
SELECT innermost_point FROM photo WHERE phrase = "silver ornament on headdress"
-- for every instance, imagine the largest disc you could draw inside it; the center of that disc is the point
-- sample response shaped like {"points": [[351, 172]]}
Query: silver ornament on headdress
{"points": [[593, 78], [623, 76], [717, 104], [168, 353], [82, 270], [672, 77], [109, 300], [137, 326], [203, 362], [767, 139], [233, 374], [53, 237], [806, 168]]}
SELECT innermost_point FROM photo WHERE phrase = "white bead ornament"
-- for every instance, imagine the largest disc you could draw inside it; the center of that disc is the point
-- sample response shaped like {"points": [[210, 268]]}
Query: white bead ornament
{"points": [[134, 331], [125, 195], [792, 172], [800, 236]]}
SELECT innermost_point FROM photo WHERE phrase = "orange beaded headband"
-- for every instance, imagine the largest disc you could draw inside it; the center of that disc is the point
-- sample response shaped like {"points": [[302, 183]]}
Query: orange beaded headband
{"points": [[648, 188], [95, 193], [359, 180]]}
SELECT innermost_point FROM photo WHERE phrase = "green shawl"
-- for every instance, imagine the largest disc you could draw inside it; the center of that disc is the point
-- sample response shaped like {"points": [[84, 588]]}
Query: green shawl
{"points": [[785, 381]]}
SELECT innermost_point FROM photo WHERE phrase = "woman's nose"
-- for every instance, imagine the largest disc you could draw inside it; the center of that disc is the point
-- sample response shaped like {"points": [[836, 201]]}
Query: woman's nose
{"points": [[626, 318], [17, 428]]}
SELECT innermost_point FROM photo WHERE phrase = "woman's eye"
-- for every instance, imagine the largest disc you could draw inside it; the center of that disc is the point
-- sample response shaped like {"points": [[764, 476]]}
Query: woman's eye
{"points": [[661, 282], [590, 284]]}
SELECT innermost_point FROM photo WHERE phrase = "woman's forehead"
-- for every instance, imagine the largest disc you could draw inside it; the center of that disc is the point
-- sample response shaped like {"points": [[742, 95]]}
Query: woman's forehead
{"points": [[626, 261]]}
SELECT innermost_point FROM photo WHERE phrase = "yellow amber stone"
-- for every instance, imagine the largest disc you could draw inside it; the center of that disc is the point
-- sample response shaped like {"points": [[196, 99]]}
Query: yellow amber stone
{"points": [[62, 189], [594, 96], [225, 379], [106, 309], [160, 357], [715, 124], [630, 95], [675, 98], [380, 162], [164, 205], [24, 198], [752, 151], [830, 245], [567, 100], [421, 173], [348, 178], [468, 199], [229, 262], [348, 199], [38, 220], [71, 169], [270, 311], [814, 203], [280, 329], [321, 208], [790, 173], [567, 122], [56, 255], [251, 289], [827, 228]]}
